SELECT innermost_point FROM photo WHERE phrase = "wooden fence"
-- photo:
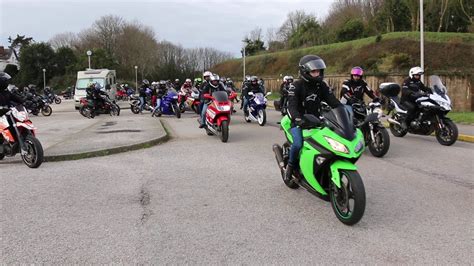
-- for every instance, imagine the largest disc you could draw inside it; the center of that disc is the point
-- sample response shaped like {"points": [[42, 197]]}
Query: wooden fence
{"points": [[459, 87]]}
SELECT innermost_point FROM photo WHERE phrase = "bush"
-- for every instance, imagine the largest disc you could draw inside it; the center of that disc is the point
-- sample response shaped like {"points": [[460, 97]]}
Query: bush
{"points": [[401, 61], [352, 29], [371, 64], [378, 38]]}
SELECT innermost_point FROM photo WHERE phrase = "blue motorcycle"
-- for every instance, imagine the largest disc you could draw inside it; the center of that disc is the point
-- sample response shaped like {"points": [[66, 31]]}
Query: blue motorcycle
{"points": [[257, 106], [168, 105]]}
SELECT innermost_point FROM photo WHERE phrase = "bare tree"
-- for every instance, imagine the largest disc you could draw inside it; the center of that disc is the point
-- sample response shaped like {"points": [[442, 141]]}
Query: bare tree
{"points": [[469, 17], [108, 29], [444, 7], [255, 34], [414, 7], [293, 21], [66, 39], [136, 45], [271, 35]]}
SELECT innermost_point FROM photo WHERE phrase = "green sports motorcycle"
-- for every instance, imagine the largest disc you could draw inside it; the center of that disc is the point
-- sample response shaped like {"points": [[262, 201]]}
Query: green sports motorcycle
{"points": [[331, 146]]}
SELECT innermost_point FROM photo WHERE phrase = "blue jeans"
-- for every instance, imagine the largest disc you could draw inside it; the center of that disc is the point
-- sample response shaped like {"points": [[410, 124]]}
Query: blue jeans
{"points": [[142, 103], [246, 104], [349, 108], [295, 148], [203, 114], [158, 104]]}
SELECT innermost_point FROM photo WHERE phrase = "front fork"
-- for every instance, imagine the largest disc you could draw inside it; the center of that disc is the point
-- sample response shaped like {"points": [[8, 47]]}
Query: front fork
{"points": [[20, 140], [440, 122]]}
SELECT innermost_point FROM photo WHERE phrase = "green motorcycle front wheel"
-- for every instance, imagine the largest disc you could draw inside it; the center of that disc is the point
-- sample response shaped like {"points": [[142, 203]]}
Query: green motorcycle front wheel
{"points": [[348, 201]]}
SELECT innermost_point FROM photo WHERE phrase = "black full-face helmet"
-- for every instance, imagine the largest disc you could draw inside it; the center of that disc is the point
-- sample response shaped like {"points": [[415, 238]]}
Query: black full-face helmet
{"points": [[309, 63], [4, 81]]}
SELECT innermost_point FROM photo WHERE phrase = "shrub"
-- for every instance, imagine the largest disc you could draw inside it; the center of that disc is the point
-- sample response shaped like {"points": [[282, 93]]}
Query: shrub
{"points": [[378, 38], [401, 61]]}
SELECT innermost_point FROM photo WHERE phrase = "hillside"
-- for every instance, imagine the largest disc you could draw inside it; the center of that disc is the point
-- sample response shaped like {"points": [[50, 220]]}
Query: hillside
{"points": [[394, 53]]}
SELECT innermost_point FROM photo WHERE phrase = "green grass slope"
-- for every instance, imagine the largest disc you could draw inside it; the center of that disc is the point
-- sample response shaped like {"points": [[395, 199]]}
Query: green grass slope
{"points": [[395, 53]]}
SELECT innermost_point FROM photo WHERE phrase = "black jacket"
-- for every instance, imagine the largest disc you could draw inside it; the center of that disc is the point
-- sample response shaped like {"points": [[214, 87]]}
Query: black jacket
{"points": [[305, 98], [8, 99], [161, 91], [284, 89], [252, 88], [355, 89], [208, 89], [142, 91], [412, 89]]}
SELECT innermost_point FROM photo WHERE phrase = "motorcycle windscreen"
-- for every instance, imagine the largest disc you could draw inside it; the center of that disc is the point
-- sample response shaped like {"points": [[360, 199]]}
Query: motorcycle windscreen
{"points": [[171, 93], [220, 96], [341, 122], [437, 86]]}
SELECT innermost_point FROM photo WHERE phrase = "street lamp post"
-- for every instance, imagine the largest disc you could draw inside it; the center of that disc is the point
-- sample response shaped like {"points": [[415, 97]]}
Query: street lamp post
{"points": [[422, 50], [89, 53], [243, 54], [44, 78], [136, 77]]}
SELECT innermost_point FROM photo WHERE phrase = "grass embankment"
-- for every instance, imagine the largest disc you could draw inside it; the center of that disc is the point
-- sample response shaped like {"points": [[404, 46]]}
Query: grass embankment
{"points": [[466, 118], [395, 53]]}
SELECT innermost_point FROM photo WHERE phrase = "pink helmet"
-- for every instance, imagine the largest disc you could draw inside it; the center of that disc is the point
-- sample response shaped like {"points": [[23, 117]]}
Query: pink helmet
{"points": [[357, 71]]}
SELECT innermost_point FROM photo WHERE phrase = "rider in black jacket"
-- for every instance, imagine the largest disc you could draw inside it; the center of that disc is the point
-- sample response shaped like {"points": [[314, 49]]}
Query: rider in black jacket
{"points": [[254, 87], [354, 88], [304, 97], [7, 98], [412, 89], [284, 87], [213, 85]]}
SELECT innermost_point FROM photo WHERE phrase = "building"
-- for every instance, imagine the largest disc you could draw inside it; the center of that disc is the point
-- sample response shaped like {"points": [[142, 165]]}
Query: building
{"points": [[8, 57]]}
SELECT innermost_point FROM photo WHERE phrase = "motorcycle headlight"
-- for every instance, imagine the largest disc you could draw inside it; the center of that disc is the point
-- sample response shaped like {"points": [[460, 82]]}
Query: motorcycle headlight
{"points": [[446, 106], [223, 108], [175, 97], [336, 145], [378, 111]]}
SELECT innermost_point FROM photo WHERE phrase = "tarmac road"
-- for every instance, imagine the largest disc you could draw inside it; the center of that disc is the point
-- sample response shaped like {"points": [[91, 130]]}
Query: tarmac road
{"points": [[199, 201]]}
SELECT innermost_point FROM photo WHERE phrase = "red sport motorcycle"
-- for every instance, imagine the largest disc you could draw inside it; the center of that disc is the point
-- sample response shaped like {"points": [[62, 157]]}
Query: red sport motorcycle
{"points": [[17, 135], [218, 114], [107, 107]]}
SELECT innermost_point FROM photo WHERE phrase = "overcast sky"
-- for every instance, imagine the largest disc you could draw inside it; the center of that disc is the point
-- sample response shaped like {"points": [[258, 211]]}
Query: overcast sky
{"points": [[218, 24]]}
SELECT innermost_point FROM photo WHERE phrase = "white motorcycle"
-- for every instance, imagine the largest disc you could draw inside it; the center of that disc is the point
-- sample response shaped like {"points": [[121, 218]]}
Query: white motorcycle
{"points": [[431, 116]]}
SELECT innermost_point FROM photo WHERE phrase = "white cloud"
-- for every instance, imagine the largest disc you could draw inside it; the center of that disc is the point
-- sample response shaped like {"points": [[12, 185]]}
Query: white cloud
{"points": [[192, 23]]}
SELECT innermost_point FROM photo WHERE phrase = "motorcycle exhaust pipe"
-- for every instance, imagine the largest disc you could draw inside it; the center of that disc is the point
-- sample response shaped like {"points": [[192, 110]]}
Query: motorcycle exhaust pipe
{"points": [[391, 121], [278, 155]]}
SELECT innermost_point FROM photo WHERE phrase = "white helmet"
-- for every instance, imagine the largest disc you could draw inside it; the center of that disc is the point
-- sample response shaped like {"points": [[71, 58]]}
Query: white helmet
{"points": [[214, 80], [188, 80], [207, 74], [415, 71]]}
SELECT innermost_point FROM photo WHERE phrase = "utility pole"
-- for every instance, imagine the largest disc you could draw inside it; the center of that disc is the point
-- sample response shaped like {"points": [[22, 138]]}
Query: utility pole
{"points": [[422, 49], [243, 79]]}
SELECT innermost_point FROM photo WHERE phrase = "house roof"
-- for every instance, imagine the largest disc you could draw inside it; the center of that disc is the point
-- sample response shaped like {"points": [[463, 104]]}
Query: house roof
{"points": [[5, 53]]}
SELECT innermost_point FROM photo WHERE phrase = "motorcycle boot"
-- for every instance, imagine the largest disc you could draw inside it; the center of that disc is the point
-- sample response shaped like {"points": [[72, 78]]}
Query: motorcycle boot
{"points": [[289, 172]]}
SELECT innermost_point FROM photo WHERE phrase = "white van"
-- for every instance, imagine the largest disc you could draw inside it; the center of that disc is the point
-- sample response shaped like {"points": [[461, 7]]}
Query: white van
{"points": [[105, 77]]}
